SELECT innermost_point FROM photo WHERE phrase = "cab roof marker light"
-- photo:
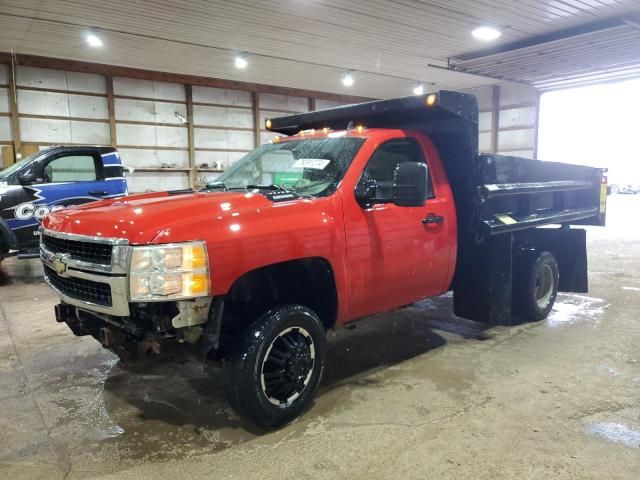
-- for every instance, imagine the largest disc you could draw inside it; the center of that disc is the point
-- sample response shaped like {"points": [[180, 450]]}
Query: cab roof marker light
{"points": [[431, 100], [267, 123]]}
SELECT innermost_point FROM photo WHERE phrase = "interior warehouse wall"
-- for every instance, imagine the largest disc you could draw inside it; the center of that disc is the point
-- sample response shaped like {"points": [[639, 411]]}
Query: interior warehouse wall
{"points": [[508, 119], [147, 120]]}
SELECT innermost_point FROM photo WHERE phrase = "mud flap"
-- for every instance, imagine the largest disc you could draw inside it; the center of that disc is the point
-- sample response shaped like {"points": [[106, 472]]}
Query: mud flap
{"points": [[482, 288]]}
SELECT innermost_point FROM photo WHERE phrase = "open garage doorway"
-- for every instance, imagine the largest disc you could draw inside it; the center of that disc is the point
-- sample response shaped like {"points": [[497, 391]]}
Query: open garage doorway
{"points": [[597, 126]]}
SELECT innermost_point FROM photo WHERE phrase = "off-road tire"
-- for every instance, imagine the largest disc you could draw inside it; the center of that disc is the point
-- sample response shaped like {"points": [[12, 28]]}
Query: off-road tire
{"points": [[258, 347]]}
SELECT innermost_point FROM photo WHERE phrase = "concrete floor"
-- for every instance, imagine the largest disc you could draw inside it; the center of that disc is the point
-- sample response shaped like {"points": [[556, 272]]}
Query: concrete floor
{"points": [[415, 393]]}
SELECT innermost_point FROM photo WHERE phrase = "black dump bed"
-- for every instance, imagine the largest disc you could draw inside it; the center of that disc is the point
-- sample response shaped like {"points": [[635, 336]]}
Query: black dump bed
{"points": [[494, 193]]}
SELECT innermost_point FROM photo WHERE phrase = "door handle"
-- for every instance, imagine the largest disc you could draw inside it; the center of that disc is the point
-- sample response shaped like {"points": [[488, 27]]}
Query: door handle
{"points": [[98, 193], [432, 218]]}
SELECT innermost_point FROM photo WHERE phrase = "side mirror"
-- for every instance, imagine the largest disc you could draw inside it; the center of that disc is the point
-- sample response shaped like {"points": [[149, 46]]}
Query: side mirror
{"points": [[410, 184], [29, 179], [366, 191]]}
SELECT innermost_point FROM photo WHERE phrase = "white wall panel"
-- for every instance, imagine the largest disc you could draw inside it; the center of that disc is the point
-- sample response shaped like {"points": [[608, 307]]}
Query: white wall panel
{"points": [[140, 158], [43, 103], [152, 136], [484, 121], [148, 111], [93, 133], [221, 96], [133, 87], [41, 78], [284, 102], [222, 117], [4, 74], [86, 82], [149, 181], [32, 102], [5, 129], [227, 158], [512, 139], [60, 80], [208, 138], [518, 117], [84, 106], [45, 130], [514, 94], [4, 100], [484, 142]]}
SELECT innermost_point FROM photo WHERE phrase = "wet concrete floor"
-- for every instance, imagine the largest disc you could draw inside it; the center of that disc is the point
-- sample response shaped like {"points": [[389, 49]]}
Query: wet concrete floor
{"points": [[415, 393]]}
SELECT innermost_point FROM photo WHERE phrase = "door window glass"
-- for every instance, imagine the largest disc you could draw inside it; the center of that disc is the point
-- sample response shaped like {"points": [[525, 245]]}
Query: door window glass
{"points": [[71, 168], [383, 163]]}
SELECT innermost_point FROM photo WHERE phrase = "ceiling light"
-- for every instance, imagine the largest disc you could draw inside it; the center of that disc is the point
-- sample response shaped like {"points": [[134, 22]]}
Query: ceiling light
{"points": [[418, 89], [347, 79], [241, 61], [93, 40], [486, 33]]}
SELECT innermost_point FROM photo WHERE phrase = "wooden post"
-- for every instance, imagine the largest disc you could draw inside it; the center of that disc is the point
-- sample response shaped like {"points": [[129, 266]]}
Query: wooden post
{"points": [[111, 108], [13, 106], [257, 124], [495, 117], [312, 104], [191, 139]]}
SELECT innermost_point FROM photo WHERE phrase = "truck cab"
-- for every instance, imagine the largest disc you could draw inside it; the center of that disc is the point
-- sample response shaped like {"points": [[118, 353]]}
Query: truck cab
{"points": [[349, 212], [50, 180]]}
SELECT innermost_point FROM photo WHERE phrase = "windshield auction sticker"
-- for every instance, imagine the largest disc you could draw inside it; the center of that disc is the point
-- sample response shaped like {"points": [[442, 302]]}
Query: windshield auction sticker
{"points": [[314, 163]]}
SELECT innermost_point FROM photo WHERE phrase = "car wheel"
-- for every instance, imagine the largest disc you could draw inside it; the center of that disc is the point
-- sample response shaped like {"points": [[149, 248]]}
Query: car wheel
{"points": [[537, 288], [274, 369]]}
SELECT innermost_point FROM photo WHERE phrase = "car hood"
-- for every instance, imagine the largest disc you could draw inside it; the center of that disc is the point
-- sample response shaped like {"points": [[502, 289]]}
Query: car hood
{"points": [[143, 219]]}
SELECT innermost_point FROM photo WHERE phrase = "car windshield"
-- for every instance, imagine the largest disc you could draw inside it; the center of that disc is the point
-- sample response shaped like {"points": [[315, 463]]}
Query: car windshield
{"points": [[17, 166], [311, 166]]}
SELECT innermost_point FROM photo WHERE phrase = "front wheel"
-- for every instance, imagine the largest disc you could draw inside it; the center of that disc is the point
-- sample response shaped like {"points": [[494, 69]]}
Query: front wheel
{"points": [[536, 289], [273, 371]]}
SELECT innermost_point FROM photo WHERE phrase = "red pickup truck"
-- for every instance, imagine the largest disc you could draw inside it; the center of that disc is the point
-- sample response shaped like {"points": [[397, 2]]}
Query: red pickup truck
{"points": [[355, 210]]}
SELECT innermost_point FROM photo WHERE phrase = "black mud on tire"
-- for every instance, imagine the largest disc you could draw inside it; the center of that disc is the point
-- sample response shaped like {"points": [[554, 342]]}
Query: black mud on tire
{"points": [[535, 286], [244, 365]]}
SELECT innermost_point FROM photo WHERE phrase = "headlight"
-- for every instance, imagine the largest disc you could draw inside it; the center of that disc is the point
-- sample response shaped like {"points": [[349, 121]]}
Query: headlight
{"points": [[173, 271]]}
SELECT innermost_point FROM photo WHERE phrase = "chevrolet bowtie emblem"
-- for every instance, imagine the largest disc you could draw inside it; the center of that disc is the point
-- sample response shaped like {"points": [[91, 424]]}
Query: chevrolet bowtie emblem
{"points": [[59, 263]]}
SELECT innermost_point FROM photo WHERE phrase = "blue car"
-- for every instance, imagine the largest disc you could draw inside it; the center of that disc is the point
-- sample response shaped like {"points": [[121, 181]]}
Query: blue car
{"points": [[49, 180]]}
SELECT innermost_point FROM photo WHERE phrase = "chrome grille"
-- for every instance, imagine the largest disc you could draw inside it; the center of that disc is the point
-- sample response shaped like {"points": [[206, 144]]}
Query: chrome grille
{"points": [[99, 253], [85, 290]]}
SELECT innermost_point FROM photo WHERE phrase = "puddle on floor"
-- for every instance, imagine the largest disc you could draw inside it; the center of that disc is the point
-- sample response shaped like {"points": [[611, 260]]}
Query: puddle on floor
{"points": [[615, 432], [572, 308]]}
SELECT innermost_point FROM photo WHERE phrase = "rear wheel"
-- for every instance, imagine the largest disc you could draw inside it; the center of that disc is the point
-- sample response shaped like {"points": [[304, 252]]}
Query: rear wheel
{"points": [[273, 371], [535, 293]]}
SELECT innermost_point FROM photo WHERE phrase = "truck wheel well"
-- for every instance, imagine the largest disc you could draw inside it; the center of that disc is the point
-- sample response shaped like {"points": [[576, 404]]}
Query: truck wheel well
{"points": [[7, 238], [307, 281]]}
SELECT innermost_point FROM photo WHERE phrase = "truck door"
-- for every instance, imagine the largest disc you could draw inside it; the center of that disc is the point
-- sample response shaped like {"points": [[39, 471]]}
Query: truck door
{"points": [[70, 178], [398, 255]]}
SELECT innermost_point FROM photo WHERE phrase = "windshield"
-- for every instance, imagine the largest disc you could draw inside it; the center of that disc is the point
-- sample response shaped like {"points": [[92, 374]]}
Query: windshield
{"points": [[312, 166], [17, 166]]}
